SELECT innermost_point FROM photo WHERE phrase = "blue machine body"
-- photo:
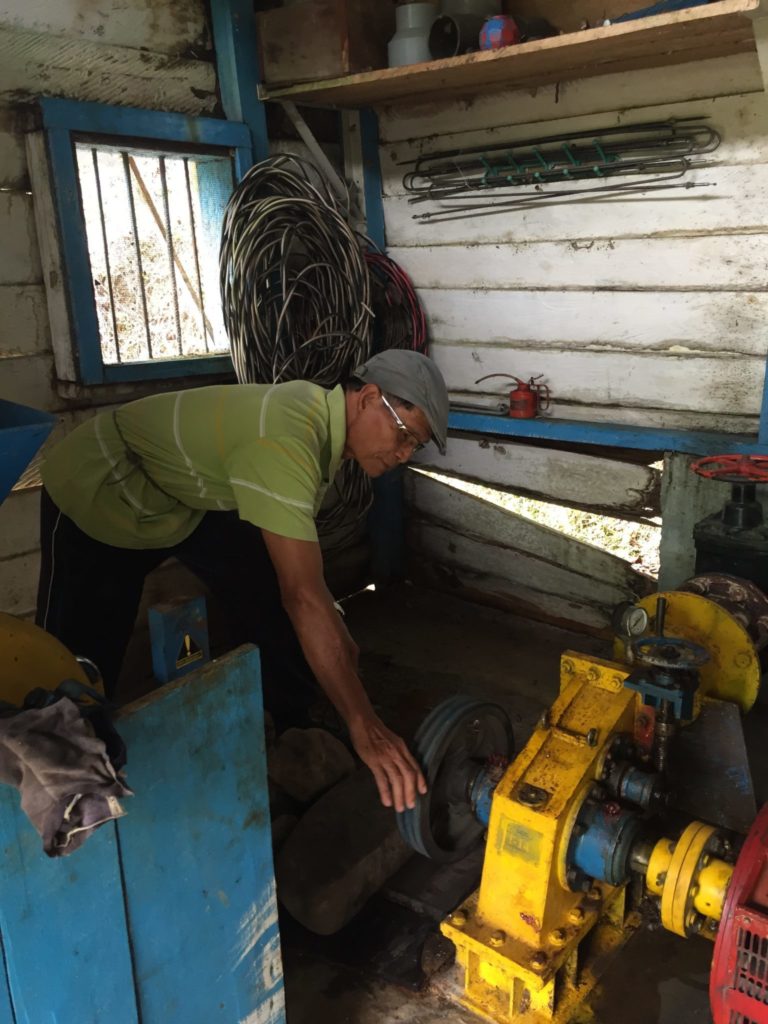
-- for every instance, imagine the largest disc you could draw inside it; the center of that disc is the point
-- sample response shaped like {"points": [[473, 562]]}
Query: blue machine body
{"points": [[167, 915], [654, 692], [481, 795], [638, 787], [602, 841], [22, 431], [178, 634]]}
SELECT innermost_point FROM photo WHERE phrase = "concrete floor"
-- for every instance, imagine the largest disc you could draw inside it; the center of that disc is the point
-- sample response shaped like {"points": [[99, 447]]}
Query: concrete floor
{"points": [[418, 648]]}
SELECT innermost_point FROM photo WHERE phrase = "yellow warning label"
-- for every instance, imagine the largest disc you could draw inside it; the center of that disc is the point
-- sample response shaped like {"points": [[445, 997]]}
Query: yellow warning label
{"points": [[188, 652], [519, 841]]}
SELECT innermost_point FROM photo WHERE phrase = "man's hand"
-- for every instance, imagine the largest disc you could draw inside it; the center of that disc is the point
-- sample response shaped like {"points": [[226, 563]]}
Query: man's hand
{"points": [[396, 772], [332, 655]]}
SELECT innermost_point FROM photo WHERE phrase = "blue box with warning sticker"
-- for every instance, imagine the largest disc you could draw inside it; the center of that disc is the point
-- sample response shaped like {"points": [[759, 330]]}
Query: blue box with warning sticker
{"points": [[178, 634]]}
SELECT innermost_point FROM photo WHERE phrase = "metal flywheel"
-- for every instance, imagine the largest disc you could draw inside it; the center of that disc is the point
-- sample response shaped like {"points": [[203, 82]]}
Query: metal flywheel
{"points": [[454, 745]]}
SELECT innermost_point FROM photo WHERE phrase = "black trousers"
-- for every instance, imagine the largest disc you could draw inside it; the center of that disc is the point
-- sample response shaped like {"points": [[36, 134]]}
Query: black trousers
{"points": [[89, 595]]}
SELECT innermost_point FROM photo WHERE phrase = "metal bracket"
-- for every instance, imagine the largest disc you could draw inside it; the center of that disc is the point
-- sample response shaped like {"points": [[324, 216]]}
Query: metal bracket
{"points": [[314, 147], [354, 169]]}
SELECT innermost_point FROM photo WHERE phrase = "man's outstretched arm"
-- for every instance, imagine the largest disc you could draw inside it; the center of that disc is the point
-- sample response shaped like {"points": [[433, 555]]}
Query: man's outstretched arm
{"points": [[332, 656]]}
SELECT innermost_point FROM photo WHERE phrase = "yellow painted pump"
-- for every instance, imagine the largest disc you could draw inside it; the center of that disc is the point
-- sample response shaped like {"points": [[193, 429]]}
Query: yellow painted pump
{"points": [[589, 828]]}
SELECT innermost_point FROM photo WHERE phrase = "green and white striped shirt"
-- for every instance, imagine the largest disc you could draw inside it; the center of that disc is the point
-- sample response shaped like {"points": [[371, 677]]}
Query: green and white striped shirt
{"points": [[143, 477]]}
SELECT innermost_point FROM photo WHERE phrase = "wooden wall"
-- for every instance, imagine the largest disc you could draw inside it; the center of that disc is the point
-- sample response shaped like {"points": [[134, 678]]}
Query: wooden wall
{"points": [[148, 53], [643, 311], [650, 310]]}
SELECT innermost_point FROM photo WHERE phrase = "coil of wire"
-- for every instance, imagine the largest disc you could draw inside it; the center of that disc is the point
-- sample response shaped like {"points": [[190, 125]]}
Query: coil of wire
{"points": [[399, 320], [294, 284]]}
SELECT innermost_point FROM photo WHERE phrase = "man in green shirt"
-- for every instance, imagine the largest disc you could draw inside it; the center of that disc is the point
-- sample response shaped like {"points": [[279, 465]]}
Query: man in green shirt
{"points": [[228, 479]]}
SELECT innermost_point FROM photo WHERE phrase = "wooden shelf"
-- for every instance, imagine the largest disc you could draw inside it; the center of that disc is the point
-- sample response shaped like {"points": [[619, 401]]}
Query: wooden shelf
{"points": [[714, 30]]}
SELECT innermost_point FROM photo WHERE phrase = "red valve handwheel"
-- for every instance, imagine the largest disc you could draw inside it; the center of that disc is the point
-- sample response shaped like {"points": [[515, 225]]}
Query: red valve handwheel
{"points": [[735, 469]]}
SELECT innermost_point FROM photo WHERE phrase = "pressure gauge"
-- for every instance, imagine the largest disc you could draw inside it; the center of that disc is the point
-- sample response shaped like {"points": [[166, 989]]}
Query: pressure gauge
{"points": [[630, 620]]}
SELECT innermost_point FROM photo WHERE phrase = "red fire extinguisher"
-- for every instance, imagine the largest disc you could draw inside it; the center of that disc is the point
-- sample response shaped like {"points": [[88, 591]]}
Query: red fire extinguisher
{"points": [[527, 399]]}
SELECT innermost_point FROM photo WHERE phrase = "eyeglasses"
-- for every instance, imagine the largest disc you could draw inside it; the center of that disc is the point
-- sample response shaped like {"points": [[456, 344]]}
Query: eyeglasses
{"points": [[407, 436]]}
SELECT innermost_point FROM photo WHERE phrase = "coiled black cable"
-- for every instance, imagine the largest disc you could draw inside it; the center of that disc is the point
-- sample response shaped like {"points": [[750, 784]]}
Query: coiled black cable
{"points": [[399, 320], [295, 288], [295, 293]]}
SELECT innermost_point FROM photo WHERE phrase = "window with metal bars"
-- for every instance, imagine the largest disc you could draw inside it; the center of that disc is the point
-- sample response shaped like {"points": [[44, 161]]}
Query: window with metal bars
{"points": [[138, 203]]}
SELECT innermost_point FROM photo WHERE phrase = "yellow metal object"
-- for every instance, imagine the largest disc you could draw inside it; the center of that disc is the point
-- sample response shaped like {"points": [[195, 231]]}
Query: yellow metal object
{"points": [[733, 671], [539, 972], [31, 657], [691, 882], [658, 865], [714, 880], [676, 897]]}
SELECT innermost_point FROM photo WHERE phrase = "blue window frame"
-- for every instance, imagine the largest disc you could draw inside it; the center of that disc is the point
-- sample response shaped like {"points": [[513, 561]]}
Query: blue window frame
{"points": [[214, 155]]}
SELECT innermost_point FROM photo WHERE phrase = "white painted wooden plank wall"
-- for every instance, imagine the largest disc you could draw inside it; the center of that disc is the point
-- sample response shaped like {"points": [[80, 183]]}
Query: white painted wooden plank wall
{"points": [[650, 310], [138, 53], [467, 544], [574, 479]]}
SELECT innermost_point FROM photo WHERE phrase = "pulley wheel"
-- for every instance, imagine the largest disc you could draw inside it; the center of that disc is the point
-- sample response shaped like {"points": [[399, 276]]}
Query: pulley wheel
{"points": [[454, 742]]}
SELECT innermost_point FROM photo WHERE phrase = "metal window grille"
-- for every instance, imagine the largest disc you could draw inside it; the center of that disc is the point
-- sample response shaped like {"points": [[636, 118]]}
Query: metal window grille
{"points": [[153, 222], [752, 977]]}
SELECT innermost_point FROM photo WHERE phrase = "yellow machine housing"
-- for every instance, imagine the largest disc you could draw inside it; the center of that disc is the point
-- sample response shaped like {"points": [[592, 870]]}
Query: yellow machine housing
{"points": [[530, 943], [31, 657]]}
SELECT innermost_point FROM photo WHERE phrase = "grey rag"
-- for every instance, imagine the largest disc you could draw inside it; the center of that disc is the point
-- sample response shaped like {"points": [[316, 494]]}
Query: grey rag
{"points": [[67, 783]]}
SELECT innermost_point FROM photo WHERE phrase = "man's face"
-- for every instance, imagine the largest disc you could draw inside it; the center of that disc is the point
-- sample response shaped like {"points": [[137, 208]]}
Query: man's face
{"points": [[380, 433]]}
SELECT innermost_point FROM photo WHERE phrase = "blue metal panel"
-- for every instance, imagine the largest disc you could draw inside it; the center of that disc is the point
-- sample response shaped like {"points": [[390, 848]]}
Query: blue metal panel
{"points": [[243, 161], [696, 442], [74, 245], [196, 850], [165, 369], [763, 428], [133, 122], [374, 206], [22, 431], [63, 927], [239, 71], [7, 1016]]}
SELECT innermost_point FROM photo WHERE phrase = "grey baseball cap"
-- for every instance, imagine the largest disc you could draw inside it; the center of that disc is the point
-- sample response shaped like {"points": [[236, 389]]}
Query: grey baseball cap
{"points": [[415, 378]]}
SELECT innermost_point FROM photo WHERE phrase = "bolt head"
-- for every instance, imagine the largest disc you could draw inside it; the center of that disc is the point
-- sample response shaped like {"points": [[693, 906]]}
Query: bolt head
{"points": [[539, 961], [458, 918], [576, 915], [595, 893], [593, 673], [497, 939], [567, 667], [558, 937]]}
